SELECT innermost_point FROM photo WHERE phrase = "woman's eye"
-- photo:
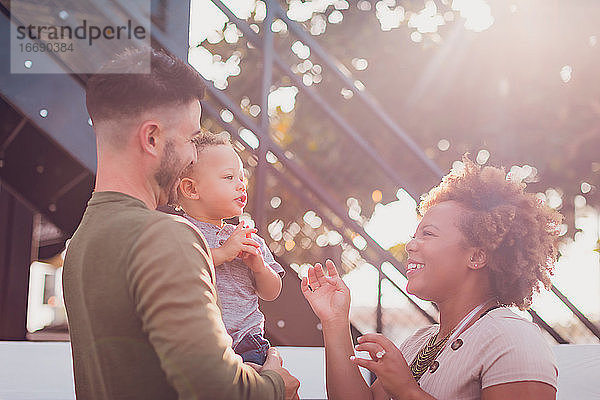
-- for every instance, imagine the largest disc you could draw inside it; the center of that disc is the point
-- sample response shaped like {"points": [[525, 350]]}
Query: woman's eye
{"points": [[229, 177]]}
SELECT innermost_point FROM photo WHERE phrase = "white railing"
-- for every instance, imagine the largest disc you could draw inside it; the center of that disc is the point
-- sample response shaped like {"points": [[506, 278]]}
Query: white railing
{"points": [[43, 371]]}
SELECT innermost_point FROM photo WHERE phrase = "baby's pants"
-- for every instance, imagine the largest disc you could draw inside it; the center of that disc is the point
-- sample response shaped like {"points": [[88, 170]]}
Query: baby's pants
{"points": [[253, 348]]}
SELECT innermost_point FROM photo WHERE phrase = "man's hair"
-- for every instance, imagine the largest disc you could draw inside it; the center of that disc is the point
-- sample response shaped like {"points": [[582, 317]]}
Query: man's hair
{"points": [[518, 232], [122, 89]]}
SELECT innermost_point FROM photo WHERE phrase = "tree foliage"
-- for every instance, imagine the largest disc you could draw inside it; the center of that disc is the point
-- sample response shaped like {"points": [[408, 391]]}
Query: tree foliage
{"points": [[520, 93]]}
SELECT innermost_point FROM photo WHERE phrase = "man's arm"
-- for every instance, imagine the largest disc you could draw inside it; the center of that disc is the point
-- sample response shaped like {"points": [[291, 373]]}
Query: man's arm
{"points": [[171, 281]]}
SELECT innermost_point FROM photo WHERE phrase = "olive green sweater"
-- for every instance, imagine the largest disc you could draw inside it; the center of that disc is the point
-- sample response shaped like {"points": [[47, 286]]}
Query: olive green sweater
{"points": [[139, 288]]}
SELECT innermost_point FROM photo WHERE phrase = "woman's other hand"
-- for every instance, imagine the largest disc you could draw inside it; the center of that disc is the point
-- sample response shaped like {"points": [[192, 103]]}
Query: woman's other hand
{"points": [[328, 295], [388, 363]]}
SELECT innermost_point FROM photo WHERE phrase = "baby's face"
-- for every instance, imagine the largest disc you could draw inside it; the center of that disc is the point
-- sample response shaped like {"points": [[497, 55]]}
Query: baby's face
{"points": [[219, 176]]}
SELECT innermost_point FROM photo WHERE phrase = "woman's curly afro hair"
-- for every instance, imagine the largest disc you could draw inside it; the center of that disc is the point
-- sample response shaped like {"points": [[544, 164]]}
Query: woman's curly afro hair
{"points": [[516, 229]]}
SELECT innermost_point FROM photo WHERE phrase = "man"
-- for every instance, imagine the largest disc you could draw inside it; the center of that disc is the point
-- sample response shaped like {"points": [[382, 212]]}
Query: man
{"points": [[139, 284]]}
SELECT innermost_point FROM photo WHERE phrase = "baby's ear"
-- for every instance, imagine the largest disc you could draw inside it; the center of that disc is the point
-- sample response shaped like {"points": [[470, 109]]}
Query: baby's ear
{"points": [[187, 187]]}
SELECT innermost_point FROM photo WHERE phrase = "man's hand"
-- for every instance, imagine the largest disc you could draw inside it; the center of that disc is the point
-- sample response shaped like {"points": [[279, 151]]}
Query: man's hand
{"points": [[274, 362]]}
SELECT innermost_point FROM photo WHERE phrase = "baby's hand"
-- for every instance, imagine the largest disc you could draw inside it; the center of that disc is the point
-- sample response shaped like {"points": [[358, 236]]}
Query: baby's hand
{"points": [[240, 244], [254, 261]]}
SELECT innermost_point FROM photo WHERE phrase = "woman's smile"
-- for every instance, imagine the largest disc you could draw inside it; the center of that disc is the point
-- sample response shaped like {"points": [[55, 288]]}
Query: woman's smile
{"points": [[412, 267]]}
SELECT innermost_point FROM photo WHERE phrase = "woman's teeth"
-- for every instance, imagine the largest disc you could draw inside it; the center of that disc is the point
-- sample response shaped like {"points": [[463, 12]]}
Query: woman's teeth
{"points": [[414, 266]]}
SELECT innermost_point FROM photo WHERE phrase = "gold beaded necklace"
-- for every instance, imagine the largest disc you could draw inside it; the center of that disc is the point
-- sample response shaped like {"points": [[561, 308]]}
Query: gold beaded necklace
{"points": [[425, 358], [426, 355]]}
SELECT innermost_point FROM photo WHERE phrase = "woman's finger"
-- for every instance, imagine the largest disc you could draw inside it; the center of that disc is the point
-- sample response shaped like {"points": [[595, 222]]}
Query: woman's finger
{"points": [[304, 286], [337, 282], [374, 349], [313, 282], [363, 362], [378, 338], [320, 274], [322, 279], [331, 269]]}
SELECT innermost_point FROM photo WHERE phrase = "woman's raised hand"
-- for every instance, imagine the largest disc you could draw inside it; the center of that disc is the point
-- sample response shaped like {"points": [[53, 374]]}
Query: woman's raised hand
{"points": [[328, 295]]}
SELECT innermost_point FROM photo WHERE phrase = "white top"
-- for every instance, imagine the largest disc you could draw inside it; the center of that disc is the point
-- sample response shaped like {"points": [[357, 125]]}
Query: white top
{"points": [[500, 347]]}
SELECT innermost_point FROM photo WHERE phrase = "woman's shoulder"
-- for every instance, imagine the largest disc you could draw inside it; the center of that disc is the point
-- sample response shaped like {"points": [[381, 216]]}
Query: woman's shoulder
{"points": [[504, 320], [512, 348], [503, 328]]}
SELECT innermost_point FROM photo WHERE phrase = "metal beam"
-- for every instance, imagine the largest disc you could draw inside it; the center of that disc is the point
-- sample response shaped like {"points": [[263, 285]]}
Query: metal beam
{"points": [[584, 320], [265, 123], [16, 233], [362, 94], [172, 38], [61, 96], [346, 128], [373, 105], [12, 136], [538, 320]]}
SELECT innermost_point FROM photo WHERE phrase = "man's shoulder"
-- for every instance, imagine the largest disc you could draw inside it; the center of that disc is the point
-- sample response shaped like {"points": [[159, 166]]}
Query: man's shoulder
{"points": [[155, 221], [172, 226], [168, 237]]}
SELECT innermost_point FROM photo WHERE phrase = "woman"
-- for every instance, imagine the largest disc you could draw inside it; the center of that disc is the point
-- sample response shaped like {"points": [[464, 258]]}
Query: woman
{"points": [[482, 244]]}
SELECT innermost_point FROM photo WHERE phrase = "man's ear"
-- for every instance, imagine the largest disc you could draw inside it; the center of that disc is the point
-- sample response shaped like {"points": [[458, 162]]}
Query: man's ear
{"points": [[188, 189], [148, 134], [478, 259]]}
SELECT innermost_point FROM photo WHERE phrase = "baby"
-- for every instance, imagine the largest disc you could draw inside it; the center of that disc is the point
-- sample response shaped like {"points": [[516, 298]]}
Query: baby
{"points": [[211, 190]]}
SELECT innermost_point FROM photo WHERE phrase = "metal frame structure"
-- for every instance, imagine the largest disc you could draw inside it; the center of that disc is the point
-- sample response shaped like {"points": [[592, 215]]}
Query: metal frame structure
{"points": [[48, 156], [67, 127], [270, 59]]}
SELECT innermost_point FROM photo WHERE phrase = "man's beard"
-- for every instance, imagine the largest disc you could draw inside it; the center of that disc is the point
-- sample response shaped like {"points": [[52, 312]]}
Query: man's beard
{"points": [[168, 172]]}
